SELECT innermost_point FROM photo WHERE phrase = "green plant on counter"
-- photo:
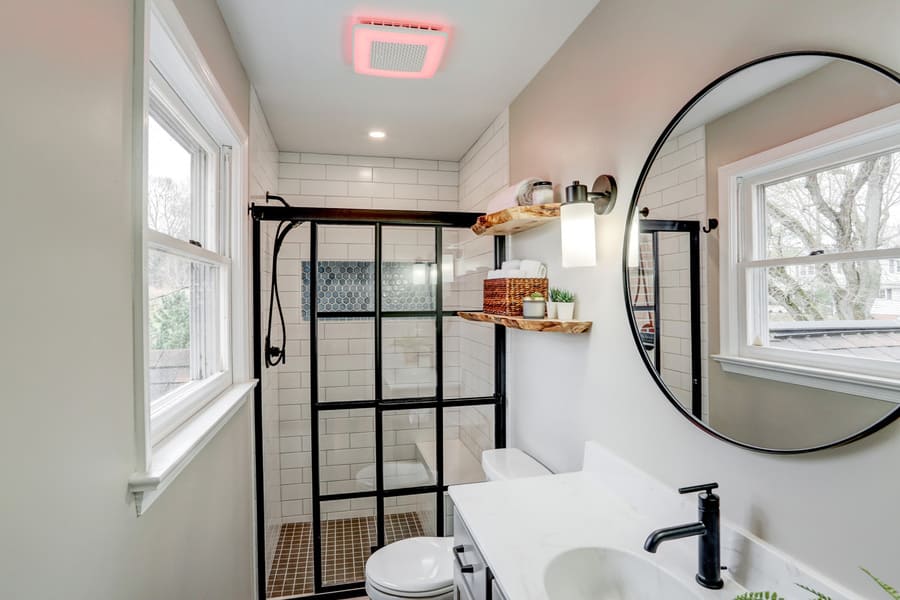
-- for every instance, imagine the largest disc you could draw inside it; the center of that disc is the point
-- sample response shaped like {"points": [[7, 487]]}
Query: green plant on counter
{"points": [[891, 591], [534, 296], [816, 595], [558, 295]]}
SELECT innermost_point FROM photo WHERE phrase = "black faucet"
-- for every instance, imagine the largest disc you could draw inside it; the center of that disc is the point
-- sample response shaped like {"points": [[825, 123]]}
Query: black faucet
{"points": [[709, 567]]}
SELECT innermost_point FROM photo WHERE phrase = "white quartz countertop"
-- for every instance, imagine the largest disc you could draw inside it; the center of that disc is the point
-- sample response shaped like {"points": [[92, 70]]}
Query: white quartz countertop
{"points": [[521, 525]]}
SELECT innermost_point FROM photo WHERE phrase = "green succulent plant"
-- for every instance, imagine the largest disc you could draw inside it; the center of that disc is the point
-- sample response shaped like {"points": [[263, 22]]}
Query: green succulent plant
{"points": [[559, 295], [534, 296]]}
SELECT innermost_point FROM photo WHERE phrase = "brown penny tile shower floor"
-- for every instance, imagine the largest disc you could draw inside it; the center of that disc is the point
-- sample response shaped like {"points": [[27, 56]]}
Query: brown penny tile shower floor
{"points": [[346, 544]]}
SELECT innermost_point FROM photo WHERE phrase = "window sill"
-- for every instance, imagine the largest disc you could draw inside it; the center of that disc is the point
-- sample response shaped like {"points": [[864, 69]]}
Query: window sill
{"points": [[880, 388], [175, 452]]}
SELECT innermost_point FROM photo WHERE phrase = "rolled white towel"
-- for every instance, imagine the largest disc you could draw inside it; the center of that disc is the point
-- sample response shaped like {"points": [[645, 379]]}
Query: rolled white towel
{"points": [[512, 264], [533, 268]]}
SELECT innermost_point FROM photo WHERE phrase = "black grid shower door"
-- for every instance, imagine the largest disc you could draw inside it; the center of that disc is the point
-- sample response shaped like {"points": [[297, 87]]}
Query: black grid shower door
{"points": [[430, 402]]}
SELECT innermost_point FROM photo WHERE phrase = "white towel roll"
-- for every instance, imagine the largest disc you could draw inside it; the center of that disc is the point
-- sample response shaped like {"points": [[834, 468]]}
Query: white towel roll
{"points": [[533, 268]]}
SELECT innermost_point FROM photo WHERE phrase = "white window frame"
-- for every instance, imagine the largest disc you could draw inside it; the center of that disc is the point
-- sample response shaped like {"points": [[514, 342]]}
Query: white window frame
{"points": [[172, 410], [174, 430], [739, 185]]}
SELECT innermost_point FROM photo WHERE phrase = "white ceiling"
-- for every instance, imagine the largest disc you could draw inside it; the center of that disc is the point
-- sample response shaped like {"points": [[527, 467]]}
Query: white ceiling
{"points": [[296, 53]]}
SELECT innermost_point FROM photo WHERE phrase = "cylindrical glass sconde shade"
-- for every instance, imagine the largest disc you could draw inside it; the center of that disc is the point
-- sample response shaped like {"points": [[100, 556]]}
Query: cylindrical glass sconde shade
{"points": [[579, 236], [634, 245]]}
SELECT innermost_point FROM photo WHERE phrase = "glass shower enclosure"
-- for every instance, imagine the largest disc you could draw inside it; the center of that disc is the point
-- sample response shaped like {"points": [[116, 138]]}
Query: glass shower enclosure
{"points": [[374, 396]]}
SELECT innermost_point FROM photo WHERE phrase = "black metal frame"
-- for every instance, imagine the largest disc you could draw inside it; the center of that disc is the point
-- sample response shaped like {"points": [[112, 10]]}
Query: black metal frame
{"points": [[634, 210], [692, 228], [377, 219]]}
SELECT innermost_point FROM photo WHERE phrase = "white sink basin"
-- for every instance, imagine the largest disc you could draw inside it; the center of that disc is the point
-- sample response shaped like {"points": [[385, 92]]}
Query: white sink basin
{"points": [[607, 574]]}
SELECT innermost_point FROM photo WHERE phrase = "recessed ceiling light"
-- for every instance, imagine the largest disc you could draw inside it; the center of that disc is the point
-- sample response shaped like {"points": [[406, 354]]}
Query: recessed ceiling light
{"points": [[376, 134]]}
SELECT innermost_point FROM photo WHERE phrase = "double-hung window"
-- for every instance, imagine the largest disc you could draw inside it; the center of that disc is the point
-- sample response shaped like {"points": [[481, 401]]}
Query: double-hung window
{"points": [[191, 331], [187, 262], [812, 237]]}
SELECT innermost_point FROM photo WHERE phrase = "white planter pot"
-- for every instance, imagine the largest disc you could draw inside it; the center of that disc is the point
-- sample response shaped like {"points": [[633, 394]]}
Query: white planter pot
{"points": [[551, 310], [565, 311], [533, 309]]}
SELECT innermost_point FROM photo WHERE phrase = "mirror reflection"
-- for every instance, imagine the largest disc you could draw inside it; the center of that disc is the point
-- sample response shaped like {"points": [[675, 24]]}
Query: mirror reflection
{"points": [[764, 273]]}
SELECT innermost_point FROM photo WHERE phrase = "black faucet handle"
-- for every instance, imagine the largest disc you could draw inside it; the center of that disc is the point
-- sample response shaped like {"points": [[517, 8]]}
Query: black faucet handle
{"points": [[703, 487]]}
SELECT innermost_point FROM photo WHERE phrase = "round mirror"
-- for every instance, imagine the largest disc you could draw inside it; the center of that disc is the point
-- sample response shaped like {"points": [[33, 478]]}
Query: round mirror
{"points": [[762, 261]]}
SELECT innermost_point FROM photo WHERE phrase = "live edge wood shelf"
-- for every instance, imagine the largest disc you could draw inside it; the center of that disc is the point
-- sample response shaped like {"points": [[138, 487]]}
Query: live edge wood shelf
{"points": [[516, 219], [529, 324]]}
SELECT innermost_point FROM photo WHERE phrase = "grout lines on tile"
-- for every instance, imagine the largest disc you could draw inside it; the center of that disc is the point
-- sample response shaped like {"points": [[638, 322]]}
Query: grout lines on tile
{"points": [[346, 545]]}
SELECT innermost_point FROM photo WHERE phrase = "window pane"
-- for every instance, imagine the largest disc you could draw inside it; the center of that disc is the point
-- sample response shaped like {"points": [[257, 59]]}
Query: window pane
{"points": [[346, 451], [408, 358], [183, 322], [468, 432], [408, 448], [169, 183], [842, 308], [848, 207], [468, 358]]}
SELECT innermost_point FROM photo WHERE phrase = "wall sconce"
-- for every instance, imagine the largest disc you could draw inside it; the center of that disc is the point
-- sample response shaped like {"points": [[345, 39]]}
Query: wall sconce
{"points": [[577, 225]]}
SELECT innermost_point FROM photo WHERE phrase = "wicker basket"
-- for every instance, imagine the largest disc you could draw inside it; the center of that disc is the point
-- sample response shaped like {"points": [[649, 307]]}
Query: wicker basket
{"points": [[504, 296]]}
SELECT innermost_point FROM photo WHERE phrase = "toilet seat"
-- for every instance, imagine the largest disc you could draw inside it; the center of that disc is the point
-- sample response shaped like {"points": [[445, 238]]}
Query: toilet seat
{"points": [[420, 567]]}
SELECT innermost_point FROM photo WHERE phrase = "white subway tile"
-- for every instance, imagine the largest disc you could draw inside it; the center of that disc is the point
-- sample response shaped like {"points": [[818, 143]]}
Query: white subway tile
{"points": [[375, 190], [448, 193], [298, 171], [288, 186], [323, 188], [288, 157], [323, 159], [370, 161], [395, 175], [438, 177], [419, 192], [347, 202], [446, 165], [342, 173], [409, 163]]}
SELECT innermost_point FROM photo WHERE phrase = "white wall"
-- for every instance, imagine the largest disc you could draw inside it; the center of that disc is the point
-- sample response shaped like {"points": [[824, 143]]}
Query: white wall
{"points": [[67, 441], [598, 106]]}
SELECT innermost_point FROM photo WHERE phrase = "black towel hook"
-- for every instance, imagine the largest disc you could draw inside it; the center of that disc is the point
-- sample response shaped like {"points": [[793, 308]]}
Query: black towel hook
{"points": [[713, 224]]}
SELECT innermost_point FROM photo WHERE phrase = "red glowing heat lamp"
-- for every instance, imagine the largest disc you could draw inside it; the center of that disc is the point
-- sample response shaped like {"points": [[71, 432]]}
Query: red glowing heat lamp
{"points": [[397, 49]]}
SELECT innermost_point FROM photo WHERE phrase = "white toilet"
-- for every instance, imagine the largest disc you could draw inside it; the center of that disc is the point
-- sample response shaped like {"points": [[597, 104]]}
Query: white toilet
{"points": [[422, 567]]}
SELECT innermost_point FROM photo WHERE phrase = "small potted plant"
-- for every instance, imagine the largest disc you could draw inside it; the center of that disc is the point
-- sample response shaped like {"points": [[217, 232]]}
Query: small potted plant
{"points": [[552, 303], [565, 304], [533, 306]]}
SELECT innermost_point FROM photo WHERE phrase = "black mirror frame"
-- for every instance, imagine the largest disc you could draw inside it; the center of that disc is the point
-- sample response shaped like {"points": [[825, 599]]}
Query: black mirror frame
{"points": [[632, 210]]}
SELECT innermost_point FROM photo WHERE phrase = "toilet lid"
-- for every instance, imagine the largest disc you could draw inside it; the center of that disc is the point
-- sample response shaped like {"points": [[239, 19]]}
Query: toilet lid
{"points": [[412, 566]]}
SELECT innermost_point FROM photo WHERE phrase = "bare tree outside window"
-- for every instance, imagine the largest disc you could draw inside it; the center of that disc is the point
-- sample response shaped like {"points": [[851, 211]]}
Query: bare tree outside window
{"points": [[845, 208]]}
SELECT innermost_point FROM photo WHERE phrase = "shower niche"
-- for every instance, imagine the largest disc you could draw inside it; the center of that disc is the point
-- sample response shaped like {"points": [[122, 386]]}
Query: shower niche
{"points": [[381, 396]]}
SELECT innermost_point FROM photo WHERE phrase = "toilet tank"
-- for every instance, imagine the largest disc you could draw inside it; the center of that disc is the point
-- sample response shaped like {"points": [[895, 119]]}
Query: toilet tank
{"points": [[510, 463]]}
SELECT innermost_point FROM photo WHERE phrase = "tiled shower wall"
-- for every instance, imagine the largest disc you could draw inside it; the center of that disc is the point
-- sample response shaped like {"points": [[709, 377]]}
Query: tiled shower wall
{"points": [[263, 177], [346, 347], [676, 189], [484, 171]]}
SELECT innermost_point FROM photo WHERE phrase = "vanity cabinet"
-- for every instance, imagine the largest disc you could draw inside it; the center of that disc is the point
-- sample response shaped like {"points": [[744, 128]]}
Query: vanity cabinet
{"points": [[471, 574]]}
